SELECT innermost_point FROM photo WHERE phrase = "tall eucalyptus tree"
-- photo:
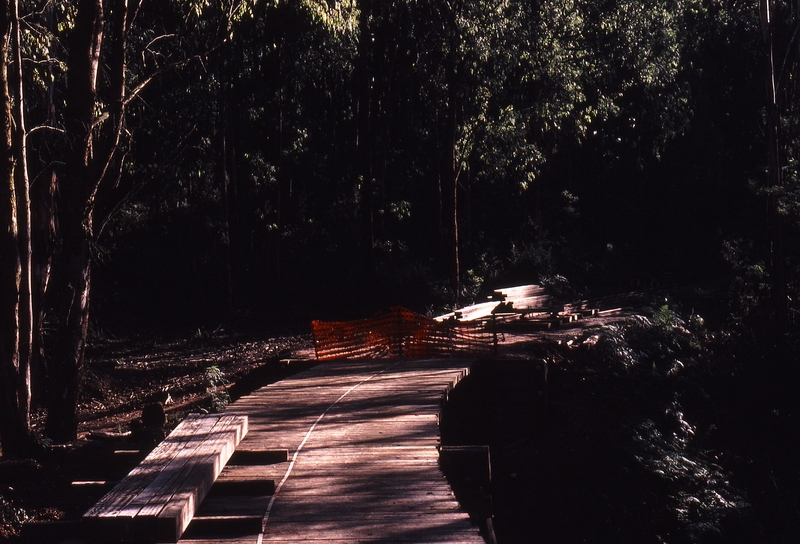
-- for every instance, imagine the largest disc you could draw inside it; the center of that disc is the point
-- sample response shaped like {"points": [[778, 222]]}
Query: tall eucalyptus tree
{"points": [[14, 403], [780, 30]]}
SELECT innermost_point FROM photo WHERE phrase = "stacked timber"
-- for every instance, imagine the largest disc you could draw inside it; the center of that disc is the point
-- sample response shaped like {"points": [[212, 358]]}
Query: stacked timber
{"points": [[523, 306], [157, 500]]}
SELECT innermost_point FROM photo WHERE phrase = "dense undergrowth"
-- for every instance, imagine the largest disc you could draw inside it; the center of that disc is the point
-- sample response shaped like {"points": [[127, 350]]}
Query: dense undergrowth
{"points": [[650, 430]]}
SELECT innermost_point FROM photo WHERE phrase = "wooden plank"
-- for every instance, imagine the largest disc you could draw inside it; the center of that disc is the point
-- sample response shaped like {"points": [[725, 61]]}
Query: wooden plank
{"points": [[314, 505], [346, 454], [538, 303], [192, 456], [375, 464], [84, 484], [335, 487], [248, 472], [440, 528], [243, 539], [144, 509], [109, 515], [468, 538], [368, 519], [521, 291], [176, 516]]}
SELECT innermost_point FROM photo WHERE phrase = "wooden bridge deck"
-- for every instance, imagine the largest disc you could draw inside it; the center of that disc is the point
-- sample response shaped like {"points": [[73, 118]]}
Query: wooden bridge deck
{"points": [[362, 464]]}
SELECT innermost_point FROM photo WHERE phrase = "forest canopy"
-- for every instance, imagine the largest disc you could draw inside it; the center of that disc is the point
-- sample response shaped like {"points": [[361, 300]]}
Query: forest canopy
{"points": [[171, 164]]}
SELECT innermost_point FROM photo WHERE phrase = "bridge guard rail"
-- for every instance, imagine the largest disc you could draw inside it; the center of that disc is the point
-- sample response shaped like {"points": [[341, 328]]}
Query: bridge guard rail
{"points": [[400, 333]]}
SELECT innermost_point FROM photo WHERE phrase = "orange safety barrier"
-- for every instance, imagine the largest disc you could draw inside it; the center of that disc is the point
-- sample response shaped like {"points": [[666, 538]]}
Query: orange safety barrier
{"points": [[399, 333]]}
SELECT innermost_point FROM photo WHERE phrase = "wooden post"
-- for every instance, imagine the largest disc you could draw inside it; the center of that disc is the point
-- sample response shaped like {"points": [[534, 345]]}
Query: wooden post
{"points": [[494, 334]]}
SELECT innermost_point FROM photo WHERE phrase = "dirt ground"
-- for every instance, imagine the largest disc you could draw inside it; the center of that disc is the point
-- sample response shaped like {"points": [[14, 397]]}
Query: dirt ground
{"points": [[200, 373]]}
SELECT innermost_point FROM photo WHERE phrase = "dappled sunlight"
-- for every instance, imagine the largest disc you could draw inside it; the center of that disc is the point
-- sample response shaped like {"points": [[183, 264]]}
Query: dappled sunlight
{"points": [[364, 461], [158, 498]]}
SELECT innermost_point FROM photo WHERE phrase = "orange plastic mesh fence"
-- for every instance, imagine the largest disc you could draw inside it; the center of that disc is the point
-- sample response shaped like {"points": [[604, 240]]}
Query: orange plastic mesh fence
{"points": [[399, 333]]}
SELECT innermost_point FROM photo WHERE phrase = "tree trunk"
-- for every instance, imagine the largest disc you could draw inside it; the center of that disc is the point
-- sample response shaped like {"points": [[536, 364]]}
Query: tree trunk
{"points": [[19, 143], [43, 240], [363, 75], [450, 166], [92, 160], [13, 428], [71, 282], [225, 184], [777, 249], [43, 236], [451, 190], [72, 265]]}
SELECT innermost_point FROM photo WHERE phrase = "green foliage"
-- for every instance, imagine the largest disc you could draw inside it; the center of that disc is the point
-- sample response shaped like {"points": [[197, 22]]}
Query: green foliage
{"points": [[220, 398], [566, 120], [749, 287], [664, 316], [340, 18], [663, 343]]}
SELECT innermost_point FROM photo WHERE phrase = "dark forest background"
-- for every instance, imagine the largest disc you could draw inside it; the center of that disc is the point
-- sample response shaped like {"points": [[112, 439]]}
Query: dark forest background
{"points": [[310, 165], [192, 164]]}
